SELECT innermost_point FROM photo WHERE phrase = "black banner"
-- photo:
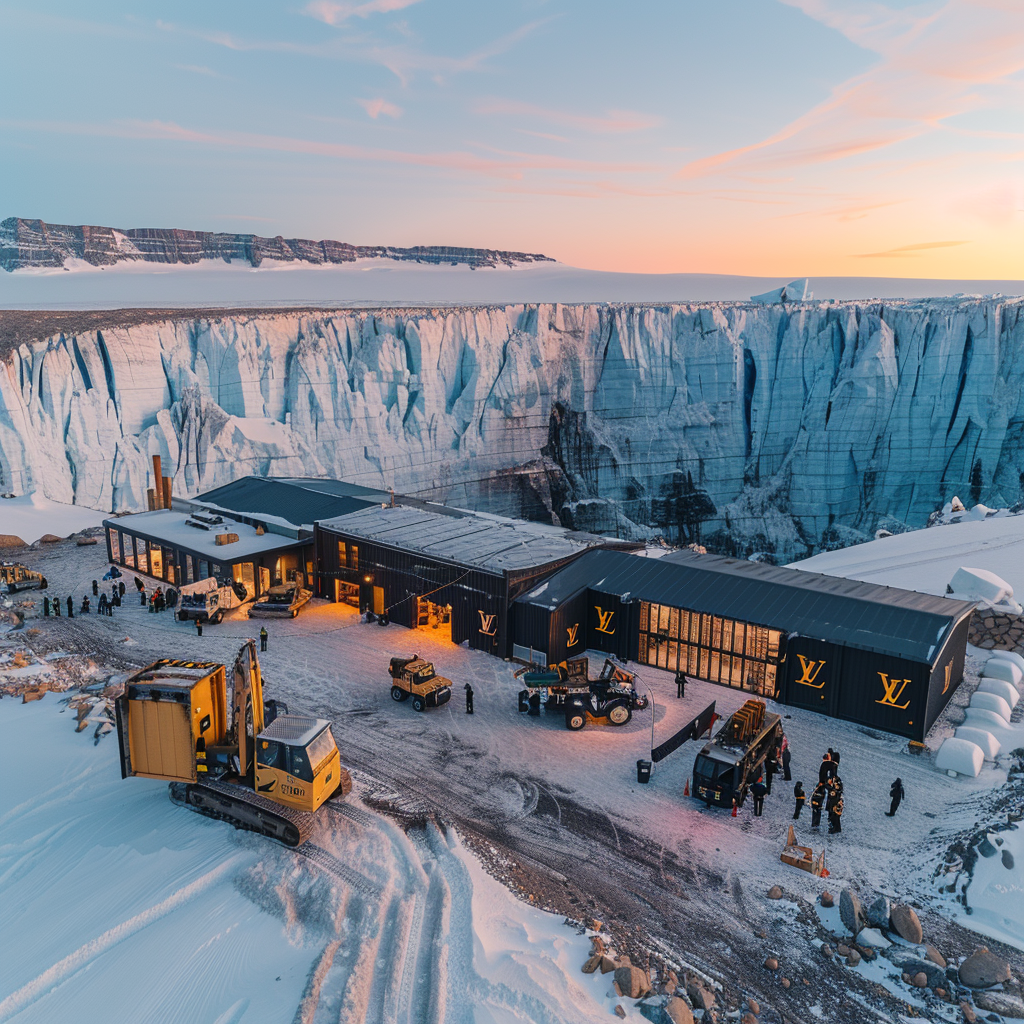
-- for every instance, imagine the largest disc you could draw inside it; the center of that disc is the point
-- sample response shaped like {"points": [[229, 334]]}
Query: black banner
{"points": [[691, 731]]}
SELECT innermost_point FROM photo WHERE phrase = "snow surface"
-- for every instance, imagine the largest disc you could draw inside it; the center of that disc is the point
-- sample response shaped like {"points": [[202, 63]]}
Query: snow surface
{"points": [[996, 893], [120, 906], [30, 516], [395, 282]]}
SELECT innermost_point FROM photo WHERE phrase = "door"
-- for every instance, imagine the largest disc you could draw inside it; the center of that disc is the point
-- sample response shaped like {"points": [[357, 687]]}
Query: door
{"points": [[378, 600], [264, 579]]}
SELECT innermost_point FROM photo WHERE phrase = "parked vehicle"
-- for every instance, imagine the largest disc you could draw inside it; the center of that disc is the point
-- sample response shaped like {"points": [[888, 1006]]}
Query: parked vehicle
{"points": [[569, 690], [416, 678], [731, 763], [209, 600], [14, 576], [285, 601]]}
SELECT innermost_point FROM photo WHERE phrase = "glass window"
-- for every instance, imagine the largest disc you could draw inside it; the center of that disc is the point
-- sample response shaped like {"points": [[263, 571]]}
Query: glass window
{"points": [[773, 644], [673, 623], [353, 556], [673, 655], [769, 681], [726, 634], [203, 572], [715, 667], [642, 653], [128, 550], [189, 569], [269, 754], [321, 748], [663, 654], [663, 611], [342, 555], [115, 547], [705, 631], [645, 611], [716, 633], [300, 764], [684, 625], [141, 555], [727, 669]]}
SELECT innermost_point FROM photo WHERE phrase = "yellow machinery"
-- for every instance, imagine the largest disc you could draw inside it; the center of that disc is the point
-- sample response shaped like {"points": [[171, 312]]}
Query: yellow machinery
{"points": [[224, 752]]}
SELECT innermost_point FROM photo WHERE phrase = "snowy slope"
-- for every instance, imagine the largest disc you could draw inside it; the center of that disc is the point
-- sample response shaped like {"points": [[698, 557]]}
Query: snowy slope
{"points": [[30, 516], [785, 428]]}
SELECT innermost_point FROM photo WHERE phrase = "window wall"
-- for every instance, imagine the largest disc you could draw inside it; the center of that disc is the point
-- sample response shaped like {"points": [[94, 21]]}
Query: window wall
{"points": [[737, 654]]}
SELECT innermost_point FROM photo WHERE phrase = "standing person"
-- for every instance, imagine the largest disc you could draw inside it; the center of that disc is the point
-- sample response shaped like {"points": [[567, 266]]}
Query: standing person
{"points": [[84, 610], [101, 606], [469, 699], [896, 795], [817, 802], [121, 587], [801, 798], [758, 789], [827, 769], [71, 607], [46, 607], [263, 638], [199, 628], [680, 685], [771, 766], [785, 759], [835, 811], [56, 607], [139, 585], [95, 588]]}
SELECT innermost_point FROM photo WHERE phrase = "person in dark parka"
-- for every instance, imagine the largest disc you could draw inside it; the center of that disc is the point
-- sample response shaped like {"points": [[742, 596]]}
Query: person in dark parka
{"points": [[263, 638], [84, 610], [139, 585], [801, 798], [680, 684], [896, 795], [827, 769], [785, 759], [817, 802], [758, 790], [835, 811], [56, 607], [95, 588], [71, 607], [46, 607], [771, 767], [101, 605], [469, 699], [121, 587]]}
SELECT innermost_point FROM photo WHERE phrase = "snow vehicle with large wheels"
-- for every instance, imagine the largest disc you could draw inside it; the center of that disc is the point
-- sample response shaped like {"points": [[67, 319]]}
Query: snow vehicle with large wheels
{"points": [[413, 677], [209, 600], [283, 601], [15, 577], [568, 689], [225, 752]]}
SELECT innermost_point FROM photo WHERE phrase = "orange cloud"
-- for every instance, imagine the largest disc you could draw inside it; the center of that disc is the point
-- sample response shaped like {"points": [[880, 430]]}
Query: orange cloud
{"points": [[907, 251]]}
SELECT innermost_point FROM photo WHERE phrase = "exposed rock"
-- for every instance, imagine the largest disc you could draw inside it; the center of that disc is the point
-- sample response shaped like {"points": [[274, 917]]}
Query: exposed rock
{"points": [[775, 893], [753, 1006], [9, 540], [853, 958], [1004, 1003], [50, 538], [607, 965], [786, 982], [771, 964], [624, 960], [596, 925], [877, 912], [597, 943], [702, 997], [592, 965], [983, 969], [931, 953], [827, 900], [826, 950], [906, 925], [842, 949], [632, 981], [850, 911], [678, 1011], [620, 1012], [920, 980], [1007, 859], [748, 1018], [968, 1013]]}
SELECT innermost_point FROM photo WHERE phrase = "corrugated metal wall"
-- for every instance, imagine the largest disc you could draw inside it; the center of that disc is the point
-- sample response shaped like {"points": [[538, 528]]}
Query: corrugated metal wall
{"points": [[567, 635], [948, 673]]}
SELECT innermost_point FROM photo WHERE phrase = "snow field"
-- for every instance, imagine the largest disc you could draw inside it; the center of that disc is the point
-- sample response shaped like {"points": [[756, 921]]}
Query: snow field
{"points": [[30, 516]]}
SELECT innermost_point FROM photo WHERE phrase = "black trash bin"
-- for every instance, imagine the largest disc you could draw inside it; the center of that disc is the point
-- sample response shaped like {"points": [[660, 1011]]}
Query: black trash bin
{"points": [[643, 771]]}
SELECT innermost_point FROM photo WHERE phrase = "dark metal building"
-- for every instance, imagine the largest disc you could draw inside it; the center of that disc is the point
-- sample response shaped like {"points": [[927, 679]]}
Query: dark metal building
{"points": [[453, 569], [884, 657]]}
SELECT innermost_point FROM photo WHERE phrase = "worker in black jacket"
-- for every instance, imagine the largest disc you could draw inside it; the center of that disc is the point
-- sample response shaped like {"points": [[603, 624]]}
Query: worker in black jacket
{"points": [[896, 795], [801, 799], [828, 768], [758, 790], [469, 699], [817, 802]]}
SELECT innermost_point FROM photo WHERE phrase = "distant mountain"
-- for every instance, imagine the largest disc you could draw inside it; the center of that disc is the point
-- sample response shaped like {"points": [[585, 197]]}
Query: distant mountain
{"points": [[34, 243]]}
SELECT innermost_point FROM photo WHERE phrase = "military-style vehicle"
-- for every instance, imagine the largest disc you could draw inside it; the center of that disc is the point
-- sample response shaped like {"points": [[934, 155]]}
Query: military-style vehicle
{"points": [[569, 690], [416, 678], [731, 762], [282, 601], [14, 577]]}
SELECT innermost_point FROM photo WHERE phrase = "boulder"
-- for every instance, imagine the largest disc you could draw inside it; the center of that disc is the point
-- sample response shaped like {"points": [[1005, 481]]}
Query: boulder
{"points": [[620, 1012], [592, 965], [853, 958], [9, 540], [905, 923], [771, 964], [775, 893], [702, 997], [632, 981], [968, 1011], [50, 538], [920, 980], [931, 953], [877, 912], [754, 1006], [827, 900], [850, 911], [607, 965], [983, 969], [1004, 1003], [678, 1011]]}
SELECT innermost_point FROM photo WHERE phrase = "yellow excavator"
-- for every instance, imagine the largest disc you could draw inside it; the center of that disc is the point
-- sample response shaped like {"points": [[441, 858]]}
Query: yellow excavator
{"points": [[225, 752]]}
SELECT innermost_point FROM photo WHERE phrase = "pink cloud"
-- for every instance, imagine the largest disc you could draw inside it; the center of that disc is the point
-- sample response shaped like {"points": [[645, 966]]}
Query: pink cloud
{"points": [[333, 13], [378, 106]]}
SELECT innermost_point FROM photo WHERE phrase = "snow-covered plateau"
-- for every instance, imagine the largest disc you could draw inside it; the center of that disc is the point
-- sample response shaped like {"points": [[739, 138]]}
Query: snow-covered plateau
{"points": [[782, 429]]}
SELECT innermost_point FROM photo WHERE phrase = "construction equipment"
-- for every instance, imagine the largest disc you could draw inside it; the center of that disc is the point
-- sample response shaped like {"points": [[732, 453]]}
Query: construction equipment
{"points": [[209, 599], [727, 766], [569, 690], [16, 576], [416, 678], [225, 752], [281, 601]]}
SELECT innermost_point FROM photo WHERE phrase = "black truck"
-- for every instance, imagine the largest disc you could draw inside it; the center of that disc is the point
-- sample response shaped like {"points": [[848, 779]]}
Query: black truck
{"points": [[569, 690], [731, 762]]}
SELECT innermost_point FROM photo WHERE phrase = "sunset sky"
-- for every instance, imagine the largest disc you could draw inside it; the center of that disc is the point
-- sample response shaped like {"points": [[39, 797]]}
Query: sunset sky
{"points": [[762, 137]]}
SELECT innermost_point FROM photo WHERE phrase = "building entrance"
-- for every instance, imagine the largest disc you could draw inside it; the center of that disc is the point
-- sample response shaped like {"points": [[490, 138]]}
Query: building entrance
{"points": [[434, 617]]}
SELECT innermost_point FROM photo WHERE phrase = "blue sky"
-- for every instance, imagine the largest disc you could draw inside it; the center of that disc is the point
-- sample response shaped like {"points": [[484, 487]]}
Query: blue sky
{"points": [[735, 136]]}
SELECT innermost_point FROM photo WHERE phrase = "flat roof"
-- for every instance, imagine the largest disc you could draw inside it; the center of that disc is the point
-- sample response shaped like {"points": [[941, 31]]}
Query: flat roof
{"points": [[297, 502], [903, 623], [167, 527], [468, 538], [296, 730]]}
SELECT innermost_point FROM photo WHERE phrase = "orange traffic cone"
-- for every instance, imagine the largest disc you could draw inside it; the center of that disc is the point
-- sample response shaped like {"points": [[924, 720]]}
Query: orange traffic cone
{"points": [[686, 788], [734, 808]]}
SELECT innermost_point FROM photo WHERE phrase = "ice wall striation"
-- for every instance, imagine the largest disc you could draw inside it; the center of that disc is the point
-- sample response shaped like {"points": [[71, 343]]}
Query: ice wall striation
{"points": [[748, 428]]}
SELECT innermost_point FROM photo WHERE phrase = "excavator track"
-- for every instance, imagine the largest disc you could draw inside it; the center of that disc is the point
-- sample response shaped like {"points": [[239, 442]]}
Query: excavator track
{"points": [[245, 810]]}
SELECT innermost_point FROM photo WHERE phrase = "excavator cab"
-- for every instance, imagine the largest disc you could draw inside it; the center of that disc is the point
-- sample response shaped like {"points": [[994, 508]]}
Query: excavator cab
{"points": [[297, 762]]}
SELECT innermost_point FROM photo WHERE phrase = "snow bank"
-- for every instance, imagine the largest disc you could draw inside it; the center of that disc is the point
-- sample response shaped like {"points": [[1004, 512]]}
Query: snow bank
{"points": [[1011, 656], [1001, 688], [996, 892], [991, 702], [985, 587], [995, 668], [30, 516], [960, 756], [989, 745]]}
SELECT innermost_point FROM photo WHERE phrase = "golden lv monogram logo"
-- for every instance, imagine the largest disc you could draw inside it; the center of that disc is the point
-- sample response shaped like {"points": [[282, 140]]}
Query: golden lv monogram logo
{"points": [[949, 673], [604, 620], [893, 691], [487, 623], [573, 632], [809, 672]]}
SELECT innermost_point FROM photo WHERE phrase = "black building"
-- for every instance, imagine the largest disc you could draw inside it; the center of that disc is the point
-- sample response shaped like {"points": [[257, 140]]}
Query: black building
{"points": [[455, 570], [884, 657]]}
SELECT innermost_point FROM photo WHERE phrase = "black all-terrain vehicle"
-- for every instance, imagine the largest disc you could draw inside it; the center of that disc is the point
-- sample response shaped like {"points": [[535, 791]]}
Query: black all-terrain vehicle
{"points": [[569, 690]]}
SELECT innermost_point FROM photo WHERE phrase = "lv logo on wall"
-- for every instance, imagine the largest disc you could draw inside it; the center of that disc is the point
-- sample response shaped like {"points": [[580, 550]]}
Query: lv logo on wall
{"points": [[893, 691], [487, 623], [604, 620], [573, 632], [809, 672]]}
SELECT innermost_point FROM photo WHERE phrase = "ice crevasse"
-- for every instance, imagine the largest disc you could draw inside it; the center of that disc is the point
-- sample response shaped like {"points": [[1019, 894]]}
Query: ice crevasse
{"points": [[775, 428]]}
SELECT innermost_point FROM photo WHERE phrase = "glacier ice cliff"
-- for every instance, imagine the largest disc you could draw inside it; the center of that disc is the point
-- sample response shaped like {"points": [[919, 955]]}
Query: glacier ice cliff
{"points": [[751, 428]]}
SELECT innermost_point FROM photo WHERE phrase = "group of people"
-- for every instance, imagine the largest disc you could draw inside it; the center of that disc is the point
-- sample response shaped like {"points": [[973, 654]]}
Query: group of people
{"points": [[775, 763], [161, 600], [827, 796]]}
